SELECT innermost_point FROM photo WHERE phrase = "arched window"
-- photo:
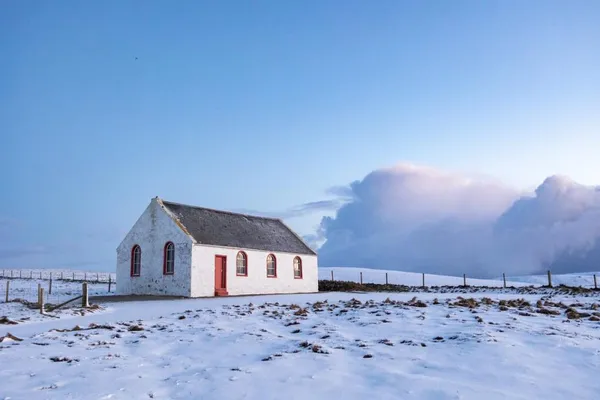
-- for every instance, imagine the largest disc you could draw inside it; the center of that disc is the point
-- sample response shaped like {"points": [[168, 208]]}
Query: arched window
{"points": [[136, 260], [169, 259], [241, 264], [297, 268], [271, 266]]}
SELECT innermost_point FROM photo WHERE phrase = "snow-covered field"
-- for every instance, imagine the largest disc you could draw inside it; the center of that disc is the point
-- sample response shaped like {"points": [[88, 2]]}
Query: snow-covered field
{"points": [[490, 345], [62, 291], [416, 279], [317, 346], [23, 287], [405, 278], [341, 273], [585, 279]]}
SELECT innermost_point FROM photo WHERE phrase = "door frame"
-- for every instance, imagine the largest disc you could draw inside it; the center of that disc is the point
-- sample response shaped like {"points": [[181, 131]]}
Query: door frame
{"points": [[222, 291]]}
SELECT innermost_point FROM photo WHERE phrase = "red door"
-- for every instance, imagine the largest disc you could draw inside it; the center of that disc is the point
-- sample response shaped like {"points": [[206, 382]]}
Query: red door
{"points": [[220, 276]]}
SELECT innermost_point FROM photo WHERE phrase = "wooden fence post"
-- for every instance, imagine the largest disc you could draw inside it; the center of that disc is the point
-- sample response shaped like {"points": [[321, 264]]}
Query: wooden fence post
{"points": [[7, 288], [62, 277], [73, 275], [423, 279], [549, 278], [331, 274], [386, 278], [595, 282], [84, 297], [361, 278], [504, 279], [109, 282], [39, 289], [465, 280], [20, 273], [50, 285], [85, 276], [41, 301]]}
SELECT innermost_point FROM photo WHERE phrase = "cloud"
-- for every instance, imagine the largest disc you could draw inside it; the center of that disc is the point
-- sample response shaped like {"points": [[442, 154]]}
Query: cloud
{"points": [[340, 191], [561, 220], [298, 211], [416, 218]]}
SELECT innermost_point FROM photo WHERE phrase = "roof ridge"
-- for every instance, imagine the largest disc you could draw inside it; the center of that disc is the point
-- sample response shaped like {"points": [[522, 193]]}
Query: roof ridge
{"points": [[166, 202]]}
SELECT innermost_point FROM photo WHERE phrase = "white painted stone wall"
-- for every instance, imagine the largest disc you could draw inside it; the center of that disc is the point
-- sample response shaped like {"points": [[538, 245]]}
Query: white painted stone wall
{"points": [[151, 232], [203, 272]]}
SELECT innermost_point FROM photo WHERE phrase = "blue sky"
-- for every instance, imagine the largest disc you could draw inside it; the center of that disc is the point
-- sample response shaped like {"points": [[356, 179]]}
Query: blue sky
{"points": [[265, 105]]}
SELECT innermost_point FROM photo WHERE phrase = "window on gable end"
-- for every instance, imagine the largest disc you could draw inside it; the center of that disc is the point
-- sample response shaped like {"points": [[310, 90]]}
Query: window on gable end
{"points": [[169, 259], [136, 260]]}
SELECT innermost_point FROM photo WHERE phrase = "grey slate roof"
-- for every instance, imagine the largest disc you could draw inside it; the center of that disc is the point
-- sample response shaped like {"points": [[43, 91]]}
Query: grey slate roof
{"points": [[228, 229]]}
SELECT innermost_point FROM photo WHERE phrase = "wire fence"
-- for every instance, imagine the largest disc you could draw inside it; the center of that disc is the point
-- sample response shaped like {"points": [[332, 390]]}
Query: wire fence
{"points": [[370, 276], [23, 285], [35, 296], [27, 291], [366, 276], [74, 276]]}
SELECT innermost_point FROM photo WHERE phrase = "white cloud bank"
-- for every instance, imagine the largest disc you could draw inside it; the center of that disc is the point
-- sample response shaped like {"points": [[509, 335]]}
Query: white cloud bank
{"points": [[414, 218]]}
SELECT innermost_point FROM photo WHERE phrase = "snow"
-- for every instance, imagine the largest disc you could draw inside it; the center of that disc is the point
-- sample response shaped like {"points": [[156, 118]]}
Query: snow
{"points": [[255, 347], [214, 348], [406, 278], [585, 279], [62, 291], [26, 288]]}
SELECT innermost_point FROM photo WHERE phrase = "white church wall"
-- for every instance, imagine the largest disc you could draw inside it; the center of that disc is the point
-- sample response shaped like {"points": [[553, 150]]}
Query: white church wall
{"points": [[151, 232], [256, 282]]}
